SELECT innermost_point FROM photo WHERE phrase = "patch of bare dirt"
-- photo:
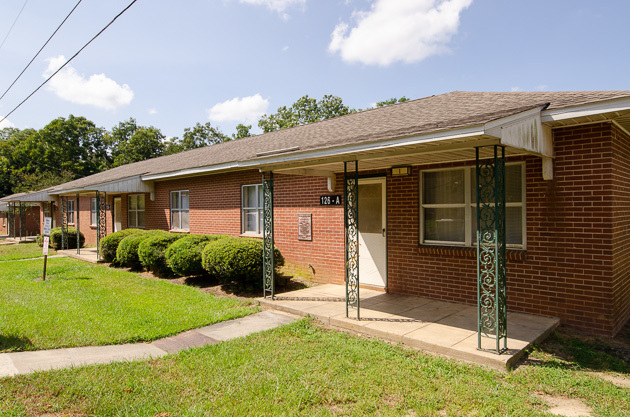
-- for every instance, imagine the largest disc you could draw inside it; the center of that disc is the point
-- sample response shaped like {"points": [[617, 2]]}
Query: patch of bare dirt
{"points": [[618, 380], [563, 406]]}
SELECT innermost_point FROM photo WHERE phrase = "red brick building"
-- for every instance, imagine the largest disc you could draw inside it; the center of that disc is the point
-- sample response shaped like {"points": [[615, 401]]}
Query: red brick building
{"points": [[566, 188]]}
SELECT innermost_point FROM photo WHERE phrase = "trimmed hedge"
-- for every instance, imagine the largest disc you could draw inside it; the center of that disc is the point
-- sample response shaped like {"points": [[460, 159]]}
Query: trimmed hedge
{"points": [[55, 238], [151, 252], [109, 244], [238, 259], [127, 252], [184, 255]]}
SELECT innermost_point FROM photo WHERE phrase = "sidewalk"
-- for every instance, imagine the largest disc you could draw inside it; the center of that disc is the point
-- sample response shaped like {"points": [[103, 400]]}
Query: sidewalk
{"points": [[26, 362]]}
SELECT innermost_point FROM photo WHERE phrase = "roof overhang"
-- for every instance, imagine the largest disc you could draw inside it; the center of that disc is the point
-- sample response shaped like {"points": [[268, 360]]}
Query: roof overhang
{"points": [[130, 185]]}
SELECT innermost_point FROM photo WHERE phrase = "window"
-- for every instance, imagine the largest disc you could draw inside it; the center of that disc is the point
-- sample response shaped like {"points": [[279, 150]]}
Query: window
{"points": [[70, 214], [93, 211], [4, 220], [179, 210], [448, 201], [135, 210], [252, 205]]}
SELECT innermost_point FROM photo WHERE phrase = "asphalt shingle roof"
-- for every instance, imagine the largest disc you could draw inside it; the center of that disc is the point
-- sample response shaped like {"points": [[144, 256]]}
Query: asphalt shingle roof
{"points": [[430, 114]]}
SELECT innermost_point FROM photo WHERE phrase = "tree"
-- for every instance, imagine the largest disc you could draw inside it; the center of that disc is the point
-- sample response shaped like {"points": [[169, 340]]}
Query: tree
{"points": [[129, 143], [305, 110], [390, 101], [242, 131], [196, 137]]}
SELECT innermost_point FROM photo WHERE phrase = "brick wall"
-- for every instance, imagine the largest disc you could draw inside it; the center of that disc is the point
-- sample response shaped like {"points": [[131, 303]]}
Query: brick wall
{"points": [[567, 270], [621, 227], [31, 222]]}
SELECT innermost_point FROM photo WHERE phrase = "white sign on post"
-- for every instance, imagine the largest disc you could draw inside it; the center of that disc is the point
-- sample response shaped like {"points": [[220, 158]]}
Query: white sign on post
{"points": [[47, 225], [46, 239]]}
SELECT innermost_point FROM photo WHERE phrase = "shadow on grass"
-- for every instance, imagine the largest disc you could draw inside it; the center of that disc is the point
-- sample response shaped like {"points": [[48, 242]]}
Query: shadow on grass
{"points": [[570, 349], [10, 343]]}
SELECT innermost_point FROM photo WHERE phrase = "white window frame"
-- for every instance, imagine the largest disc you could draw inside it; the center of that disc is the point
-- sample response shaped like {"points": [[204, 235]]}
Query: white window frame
{"points": [[468, 206], [70, 212], [179, 210], [258, 208], [93, 212], [135, 212], [4, 220]]}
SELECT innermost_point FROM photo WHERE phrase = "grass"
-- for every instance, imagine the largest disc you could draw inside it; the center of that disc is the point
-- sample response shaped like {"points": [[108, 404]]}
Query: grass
{"points": [[304, 369], [22, 251], [82, 304]]}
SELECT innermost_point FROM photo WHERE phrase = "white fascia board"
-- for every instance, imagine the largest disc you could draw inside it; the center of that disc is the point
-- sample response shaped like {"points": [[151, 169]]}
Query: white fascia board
{"points": [[585, 110], [326, 153], [37, 197], [124, 185]]}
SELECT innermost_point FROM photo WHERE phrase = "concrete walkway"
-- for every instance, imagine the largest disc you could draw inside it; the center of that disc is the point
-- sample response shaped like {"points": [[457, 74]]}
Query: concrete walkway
{"points": [[43, 360], [87, 254]]}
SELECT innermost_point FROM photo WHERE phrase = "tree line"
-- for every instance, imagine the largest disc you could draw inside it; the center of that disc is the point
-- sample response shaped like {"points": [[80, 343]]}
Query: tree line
{"points": [[74, 147]]}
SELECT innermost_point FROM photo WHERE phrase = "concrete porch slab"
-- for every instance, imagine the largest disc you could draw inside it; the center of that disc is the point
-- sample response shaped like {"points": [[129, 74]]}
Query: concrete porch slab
{"points": [[87, 254], [448, 329]]}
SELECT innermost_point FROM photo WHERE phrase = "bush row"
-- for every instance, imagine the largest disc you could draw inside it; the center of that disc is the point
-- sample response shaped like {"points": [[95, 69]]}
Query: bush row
{"points": [[55, 238], [229, 259]]}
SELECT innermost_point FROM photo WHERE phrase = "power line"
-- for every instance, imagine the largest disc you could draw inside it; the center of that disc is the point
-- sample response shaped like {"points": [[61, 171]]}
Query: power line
{"points": [[68, 61], [14, 22], [40, 50]]}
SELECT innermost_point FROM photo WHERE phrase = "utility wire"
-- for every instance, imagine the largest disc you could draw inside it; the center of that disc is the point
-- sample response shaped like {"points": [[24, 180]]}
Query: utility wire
{"points": [[14, 22], [40, 50], [68, 61]]}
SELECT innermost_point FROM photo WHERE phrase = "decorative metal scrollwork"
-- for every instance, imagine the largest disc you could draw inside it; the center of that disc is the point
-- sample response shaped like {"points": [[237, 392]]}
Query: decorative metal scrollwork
{"points": [[64, 223], [22, 213], [351, 215], [11, 215], [268, 261], [101, 221], [491, 244]]}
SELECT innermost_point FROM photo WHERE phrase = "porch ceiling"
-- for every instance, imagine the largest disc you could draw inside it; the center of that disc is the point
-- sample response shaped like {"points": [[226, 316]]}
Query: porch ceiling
{"points": [[454, 150]]}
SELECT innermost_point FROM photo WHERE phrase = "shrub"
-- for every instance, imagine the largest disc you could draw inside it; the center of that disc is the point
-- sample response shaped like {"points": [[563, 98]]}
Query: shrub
{"points": [[238, 259], [127, 252], [109, 244], [151, 252], [184, 256], [55, 238]]}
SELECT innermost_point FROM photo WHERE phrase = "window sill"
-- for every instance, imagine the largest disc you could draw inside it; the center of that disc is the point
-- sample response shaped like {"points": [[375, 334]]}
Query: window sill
{"points": [[179, 231], [254, 235], [93, 226], [467, 252]]}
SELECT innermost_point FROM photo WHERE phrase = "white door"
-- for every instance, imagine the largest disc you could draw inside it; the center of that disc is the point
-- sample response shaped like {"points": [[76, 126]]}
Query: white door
{"points": [[372, 232], [117, 215]]}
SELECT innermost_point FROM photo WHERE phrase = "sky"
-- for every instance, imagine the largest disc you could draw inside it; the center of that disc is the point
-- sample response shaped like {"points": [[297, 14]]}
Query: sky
{"points": [[174, 64]]}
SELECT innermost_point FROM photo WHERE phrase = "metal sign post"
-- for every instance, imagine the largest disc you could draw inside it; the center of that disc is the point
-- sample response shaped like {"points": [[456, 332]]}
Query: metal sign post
{"points": [[47, 225]]}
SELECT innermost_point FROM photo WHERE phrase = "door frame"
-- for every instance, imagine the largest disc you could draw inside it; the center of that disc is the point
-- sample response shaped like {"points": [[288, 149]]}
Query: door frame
{"points": [[114, 214], [378, 179]]}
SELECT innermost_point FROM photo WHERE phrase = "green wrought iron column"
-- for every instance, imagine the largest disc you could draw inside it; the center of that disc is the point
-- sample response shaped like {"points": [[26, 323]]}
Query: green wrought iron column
{"points": [[268, 261], [12, 220], [351, 217], [64, 223], [101, 221], [21, 214], [78, 212], [491, 242]]}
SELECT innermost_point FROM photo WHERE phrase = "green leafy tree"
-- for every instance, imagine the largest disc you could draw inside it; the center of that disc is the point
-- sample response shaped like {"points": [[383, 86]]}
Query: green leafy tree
{"points": [[196, 137], [129, 143], [242, 131], [305, 110], [391, 101]]}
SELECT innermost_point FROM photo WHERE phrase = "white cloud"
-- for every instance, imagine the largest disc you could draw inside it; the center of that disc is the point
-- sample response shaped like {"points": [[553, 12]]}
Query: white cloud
{"points": [[541, 87], [515, 89], [152, 111], [5, 123], [278, 6], [398, 30], [246, 109], [285, 48], [97, 90]]}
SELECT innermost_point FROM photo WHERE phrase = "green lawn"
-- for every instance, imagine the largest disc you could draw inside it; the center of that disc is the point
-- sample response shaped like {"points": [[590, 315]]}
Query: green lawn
{"points": [[303, 369], [22, 251], [83, 304]]}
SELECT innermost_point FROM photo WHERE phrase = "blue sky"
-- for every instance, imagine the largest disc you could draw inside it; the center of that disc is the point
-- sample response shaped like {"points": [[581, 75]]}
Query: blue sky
{"points": [[173, 64]]}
